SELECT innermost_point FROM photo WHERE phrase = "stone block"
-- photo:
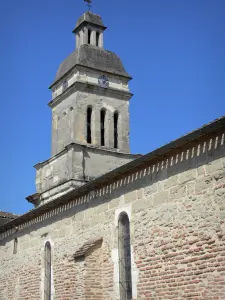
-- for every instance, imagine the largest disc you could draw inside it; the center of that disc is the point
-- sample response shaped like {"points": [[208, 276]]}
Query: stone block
{"points": [[89, 212], [100, 218], [79, 216], [188, 176], [223, 162], [153, 215], [101, 208], [151, 189], [142, 204], [171, 181], [114, 203], [160, 198], [201, 170], [130, 197], [203, 184], [140, 193], [178, 191], [219, 177], [61, 232], [190, 188], [25, 245], [214, 166]]}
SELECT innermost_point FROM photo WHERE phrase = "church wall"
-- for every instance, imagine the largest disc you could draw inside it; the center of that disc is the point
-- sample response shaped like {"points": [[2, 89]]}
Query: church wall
{"points": [[177, 221]]}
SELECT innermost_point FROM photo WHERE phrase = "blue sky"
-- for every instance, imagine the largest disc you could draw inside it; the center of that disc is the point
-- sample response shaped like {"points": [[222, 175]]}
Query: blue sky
{"points": [[174, 50]]}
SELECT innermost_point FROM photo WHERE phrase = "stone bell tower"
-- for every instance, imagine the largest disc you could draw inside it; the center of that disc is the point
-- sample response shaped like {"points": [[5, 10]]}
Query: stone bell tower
{"points": [[90, 116]]}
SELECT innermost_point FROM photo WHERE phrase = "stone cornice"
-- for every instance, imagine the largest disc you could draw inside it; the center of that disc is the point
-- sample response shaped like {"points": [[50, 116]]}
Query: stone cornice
{"points": [[91, 148], [78, 66], [90, 88]]}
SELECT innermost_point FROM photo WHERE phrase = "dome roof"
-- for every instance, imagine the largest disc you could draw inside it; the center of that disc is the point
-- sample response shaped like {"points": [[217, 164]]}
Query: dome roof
{"points": [[92, 57]]}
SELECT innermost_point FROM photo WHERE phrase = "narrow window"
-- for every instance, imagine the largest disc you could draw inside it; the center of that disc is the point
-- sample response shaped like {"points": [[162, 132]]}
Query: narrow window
{"points": [[89, 36], [116, 130], [15, 244], [97, 38], [89, 113], [102, 116], [47, 283], [124, 258]]}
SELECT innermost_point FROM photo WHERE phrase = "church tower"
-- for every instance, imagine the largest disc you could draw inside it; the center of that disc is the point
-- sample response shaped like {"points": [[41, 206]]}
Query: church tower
{"points": [[90, 115], [90, 94]]}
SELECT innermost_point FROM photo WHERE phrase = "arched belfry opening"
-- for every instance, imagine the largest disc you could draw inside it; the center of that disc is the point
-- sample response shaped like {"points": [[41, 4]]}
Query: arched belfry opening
{"points": [[89, 36], [97, 38], [115, 123], [88, 125], [102, 126]]}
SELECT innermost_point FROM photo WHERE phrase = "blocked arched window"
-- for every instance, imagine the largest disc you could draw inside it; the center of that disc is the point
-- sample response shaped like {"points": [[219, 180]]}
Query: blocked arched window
{"points": [[97, 38], [102, 122], [125, 280], [48, 275], [89, 113], [115, 120]]}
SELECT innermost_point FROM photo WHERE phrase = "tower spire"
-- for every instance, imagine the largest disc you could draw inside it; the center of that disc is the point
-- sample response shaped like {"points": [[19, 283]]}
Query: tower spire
{"points": [[88, 4]]}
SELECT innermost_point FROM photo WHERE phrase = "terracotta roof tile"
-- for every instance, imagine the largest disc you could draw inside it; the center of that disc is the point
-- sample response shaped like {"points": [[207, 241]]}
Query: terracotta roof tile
{"points": [[7, 215]]}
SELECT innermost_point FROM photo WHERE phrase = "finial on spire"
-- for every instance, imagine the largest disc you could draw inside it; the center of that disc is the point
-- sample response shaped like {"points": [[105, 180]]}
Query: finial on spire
{"points": [[88, 3]]}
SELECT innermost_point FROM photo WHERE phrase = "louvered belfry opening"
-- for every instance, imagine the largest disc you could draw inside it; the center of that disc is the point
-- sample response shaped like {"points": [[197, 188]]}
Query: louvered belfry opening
{"points": [[47, 282], [125, 279], [97, 38]]}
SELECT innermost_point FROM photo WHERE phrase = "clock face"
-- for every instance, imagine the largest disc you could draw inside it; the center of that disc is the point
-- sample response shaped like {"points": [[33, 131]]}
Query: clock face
{"points": [[103, 81]]}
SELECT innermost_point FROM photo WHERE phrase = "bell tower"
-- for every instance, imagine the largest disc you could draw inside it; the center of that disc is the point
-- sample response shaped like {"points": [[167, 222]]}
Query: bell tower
{"points": [[90, 94], [90, 114]]}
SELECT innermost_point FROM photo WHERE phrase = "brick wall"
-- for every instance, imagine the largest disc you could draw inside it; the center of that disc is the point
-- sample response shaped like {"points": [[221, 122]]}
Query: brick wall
{"points": [[93, 274], [177, 218]]}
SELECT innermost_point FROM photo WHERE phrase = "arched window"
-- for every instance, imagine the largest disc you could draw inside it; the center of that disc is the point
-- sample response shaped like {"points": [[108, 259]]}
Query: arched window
{"points": [[102, 117], [89, 113], [89, 36], [125, 279], [47, 282], [97, 38], [115, 117]]}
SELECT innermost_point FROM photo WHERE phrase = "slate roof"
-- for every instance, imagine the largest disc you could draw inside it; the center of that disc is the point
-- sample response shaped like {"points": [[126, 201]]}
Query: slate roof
{"points": [[86, 247], [92, 57], [7, 215]]}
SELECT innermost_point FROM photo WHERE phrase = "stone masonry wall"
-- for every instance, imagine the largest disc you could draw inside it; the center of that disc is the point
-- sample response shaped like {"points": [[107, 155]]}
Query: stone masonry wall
{"points": [[177, 217], [69, 120]]}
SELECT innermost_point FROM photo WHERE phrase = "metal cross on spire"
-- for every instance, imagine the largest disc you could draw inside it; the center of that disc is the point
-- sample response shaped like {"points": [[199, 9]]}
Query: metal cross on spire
{"points": [[88, 3]]}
